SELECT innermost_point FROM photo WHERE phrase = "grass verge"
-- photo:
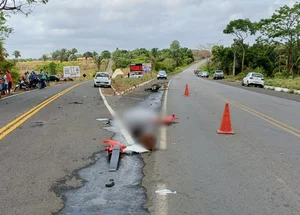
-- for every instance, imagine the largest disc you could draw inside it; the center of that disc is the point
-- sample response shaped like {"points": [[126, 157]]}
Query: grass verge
{"points": [[122, 84]]}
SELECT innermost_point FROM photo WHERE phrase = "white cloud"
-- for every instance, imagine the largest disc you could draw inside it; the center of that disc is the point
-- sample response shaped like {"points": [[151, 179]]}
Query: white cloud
{"points": [[107, 24]]}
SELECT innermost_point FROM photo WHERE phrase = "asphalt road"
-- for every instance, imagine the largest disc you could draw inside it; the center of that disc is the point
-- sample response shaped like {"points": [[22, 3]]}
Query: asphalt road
{"points": [[52, 152], [38, 159], [256, 171], [283, 95]]}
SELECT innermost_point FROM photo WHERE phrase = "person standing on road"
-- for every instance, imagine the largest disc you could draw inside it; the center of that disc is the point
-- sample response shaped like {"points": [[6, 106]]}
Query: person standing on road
{"points": [[5, 84], [47, 78], [1, 84], [43, 84], [10, 81]]}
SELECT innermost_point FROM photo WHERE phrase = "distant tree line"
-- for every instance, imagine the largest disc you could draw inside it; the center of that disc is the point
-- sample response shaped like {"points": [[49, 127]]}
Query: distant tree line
{"points": [[168, 59], [276, 51]]}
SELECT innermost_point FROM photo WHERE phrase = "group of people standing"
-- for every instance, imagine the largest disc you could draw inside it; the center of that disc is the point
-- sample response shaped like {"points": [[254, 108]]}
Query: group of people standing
{"points": [[30, 79], [5, 82]]}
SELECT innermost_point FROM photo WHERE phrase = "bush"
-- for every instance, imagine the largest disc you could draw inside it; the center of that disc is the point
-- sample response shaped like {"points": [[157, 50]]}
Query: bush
{"points": [[278, 75], [52, 68], [15, 74], [44, 67]]}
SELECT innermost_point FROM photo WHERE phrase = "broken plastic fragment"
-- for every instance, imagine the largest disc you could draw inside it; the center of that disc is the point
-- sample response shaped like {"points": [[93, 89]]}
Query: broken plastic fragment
{"points": [[135, 148], [164, 192], [102, 119]]}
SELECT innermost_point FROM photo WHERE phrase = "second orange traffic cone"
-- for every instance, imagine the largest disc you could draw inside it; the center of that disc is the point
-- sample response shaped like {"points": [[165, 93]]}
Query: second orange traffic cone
{"points": [[225, 127], [186, 92]]}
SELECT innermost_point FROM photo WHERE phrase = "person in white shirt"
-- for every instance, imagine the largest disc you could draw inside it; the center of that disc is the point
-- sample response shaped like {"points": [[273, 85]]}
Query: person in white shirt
{"points": [[5, 84]]}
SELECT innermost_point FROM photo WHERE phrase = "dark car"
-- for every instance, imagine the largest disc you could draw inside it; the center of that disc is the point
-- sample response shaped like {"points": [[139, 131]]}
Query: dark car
{"points": [[54, 78]]}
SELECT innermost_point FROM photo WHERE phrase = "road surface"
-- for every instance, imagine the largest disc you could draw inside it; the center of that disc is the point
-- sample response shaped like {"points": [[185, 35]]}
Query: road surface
{"points": [[256, 171], [39, 157], [49, 140]]}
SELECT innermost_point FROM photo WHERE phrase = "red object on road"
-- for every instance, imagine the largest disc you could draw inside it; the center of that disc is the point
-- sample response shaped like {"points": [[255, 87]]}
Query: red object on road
{"points": [[186, 92], [169, 120], [112, 144], [225, 127]]}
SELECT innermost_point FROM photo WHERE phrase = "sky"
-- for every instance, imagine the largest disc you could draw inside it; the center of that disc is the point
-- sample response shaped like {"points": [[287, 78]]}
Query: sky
{"points": [[97, 25]]}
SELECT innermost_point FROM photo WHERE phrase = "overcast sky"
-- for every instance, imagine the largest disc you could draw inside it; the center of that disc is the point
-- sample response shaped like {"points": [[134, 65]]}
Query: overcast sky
{"points": [[128, 24]]}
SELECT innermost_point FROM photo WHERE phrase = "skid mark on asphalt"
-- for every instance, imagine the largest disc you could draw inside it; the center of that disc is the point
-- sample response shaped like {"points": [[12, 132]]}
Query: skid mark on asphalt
{"points": [[277, 123]]}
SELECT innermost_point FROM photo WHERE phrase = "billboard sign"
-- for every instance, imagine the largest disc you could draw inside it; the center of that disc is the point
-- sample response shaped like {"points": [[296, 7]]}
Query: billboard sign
{"points": [[71, 71], [136, 67], [145, 67]]}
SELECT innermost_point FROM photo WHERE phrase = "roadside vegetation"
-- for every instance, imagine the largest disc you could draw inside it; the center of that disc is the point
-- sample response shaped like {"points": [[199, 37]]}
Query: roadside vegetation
{"points": [[122, 84], [275, 53]]}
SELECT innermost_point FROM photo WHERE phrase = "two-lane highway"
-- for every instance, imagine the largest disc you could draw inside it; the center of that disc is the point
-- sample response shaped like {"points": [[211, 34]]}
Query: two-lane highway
{"points": [[58, 135], [256, 171]]}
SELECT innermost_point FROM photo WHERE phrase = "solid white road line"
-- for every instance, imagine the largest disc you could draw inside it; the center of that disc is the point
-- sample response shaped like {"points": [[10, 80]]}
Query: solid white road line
{"points": [[163, 130], [122, 128]]}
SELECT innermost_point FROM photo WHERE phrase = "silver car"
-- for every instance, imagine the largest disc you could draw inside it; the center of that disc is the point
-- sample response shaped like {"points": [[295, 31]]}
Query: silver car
{"points": [[219, 74], [205, 74], [162, 75]]}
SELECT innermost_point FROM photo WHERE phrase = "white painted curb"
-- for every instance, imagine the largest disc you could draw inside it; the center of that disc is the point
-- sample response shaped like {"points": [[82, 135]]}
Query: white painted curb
{"points": [[131, 88], [280, 89]]}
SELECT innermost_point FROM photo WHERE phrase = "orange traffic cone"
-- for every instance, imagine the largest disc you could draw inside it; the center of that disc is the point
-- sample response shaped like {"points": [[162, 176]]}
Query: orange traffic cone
{"points": [[226, 122], [186, 92], [165, 85]]}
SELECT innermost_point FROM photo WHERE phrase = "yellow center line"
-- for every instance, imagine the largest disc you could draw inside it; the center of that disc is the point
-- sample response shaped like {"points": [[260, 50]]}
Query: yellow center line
{"points": [[269, 119], [8, 128]]}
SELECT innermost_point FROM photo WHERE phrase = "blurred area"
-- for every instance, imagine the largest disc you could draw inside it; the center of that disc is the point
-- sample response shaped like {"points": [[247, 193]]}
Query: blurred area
{"points": [[141, 123]]}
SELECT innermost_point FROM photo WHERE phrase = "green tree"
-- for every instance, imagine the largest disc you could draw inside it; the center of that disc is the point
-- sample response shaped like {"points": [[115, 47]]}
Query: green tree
{"points": [[5, 31], [174, 47], [17, 54], [95, 54], [241, 29], [284, 27], [106, 54], [98, 61], [87, 55], [3, 52], [56, 55], [63, 55], [23, 6], [52, 68], [74, 51], [44, 57]]}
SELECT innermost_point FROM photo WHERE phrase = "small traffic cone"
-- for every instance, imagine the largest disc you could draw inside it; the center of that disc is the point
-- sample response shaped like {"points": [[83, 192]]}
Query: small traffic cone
{"points": [[226, 122], [186, 92], [169, 119], [165, 85]]}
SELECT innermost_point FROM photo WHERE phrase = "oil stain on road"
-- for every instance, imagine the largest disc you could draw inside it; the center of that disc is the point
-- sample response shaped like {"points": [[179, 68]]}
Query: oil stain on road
{"points": [[127, 196]]}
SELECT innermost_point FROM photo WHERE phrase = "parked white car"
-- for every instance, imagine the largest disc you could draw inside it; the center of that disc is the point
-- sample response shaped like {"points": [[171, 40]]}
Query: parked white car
{"points": [[136, 75], [254, 79], [102, 79]]}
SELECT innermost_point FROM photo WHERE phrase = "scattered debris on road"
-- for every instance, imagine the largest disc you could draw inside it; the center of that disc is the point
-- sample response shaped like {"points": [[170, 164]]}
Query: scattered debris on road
{"points": [[114, 150], [111, 184], [164, 192], [79, 103]]}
